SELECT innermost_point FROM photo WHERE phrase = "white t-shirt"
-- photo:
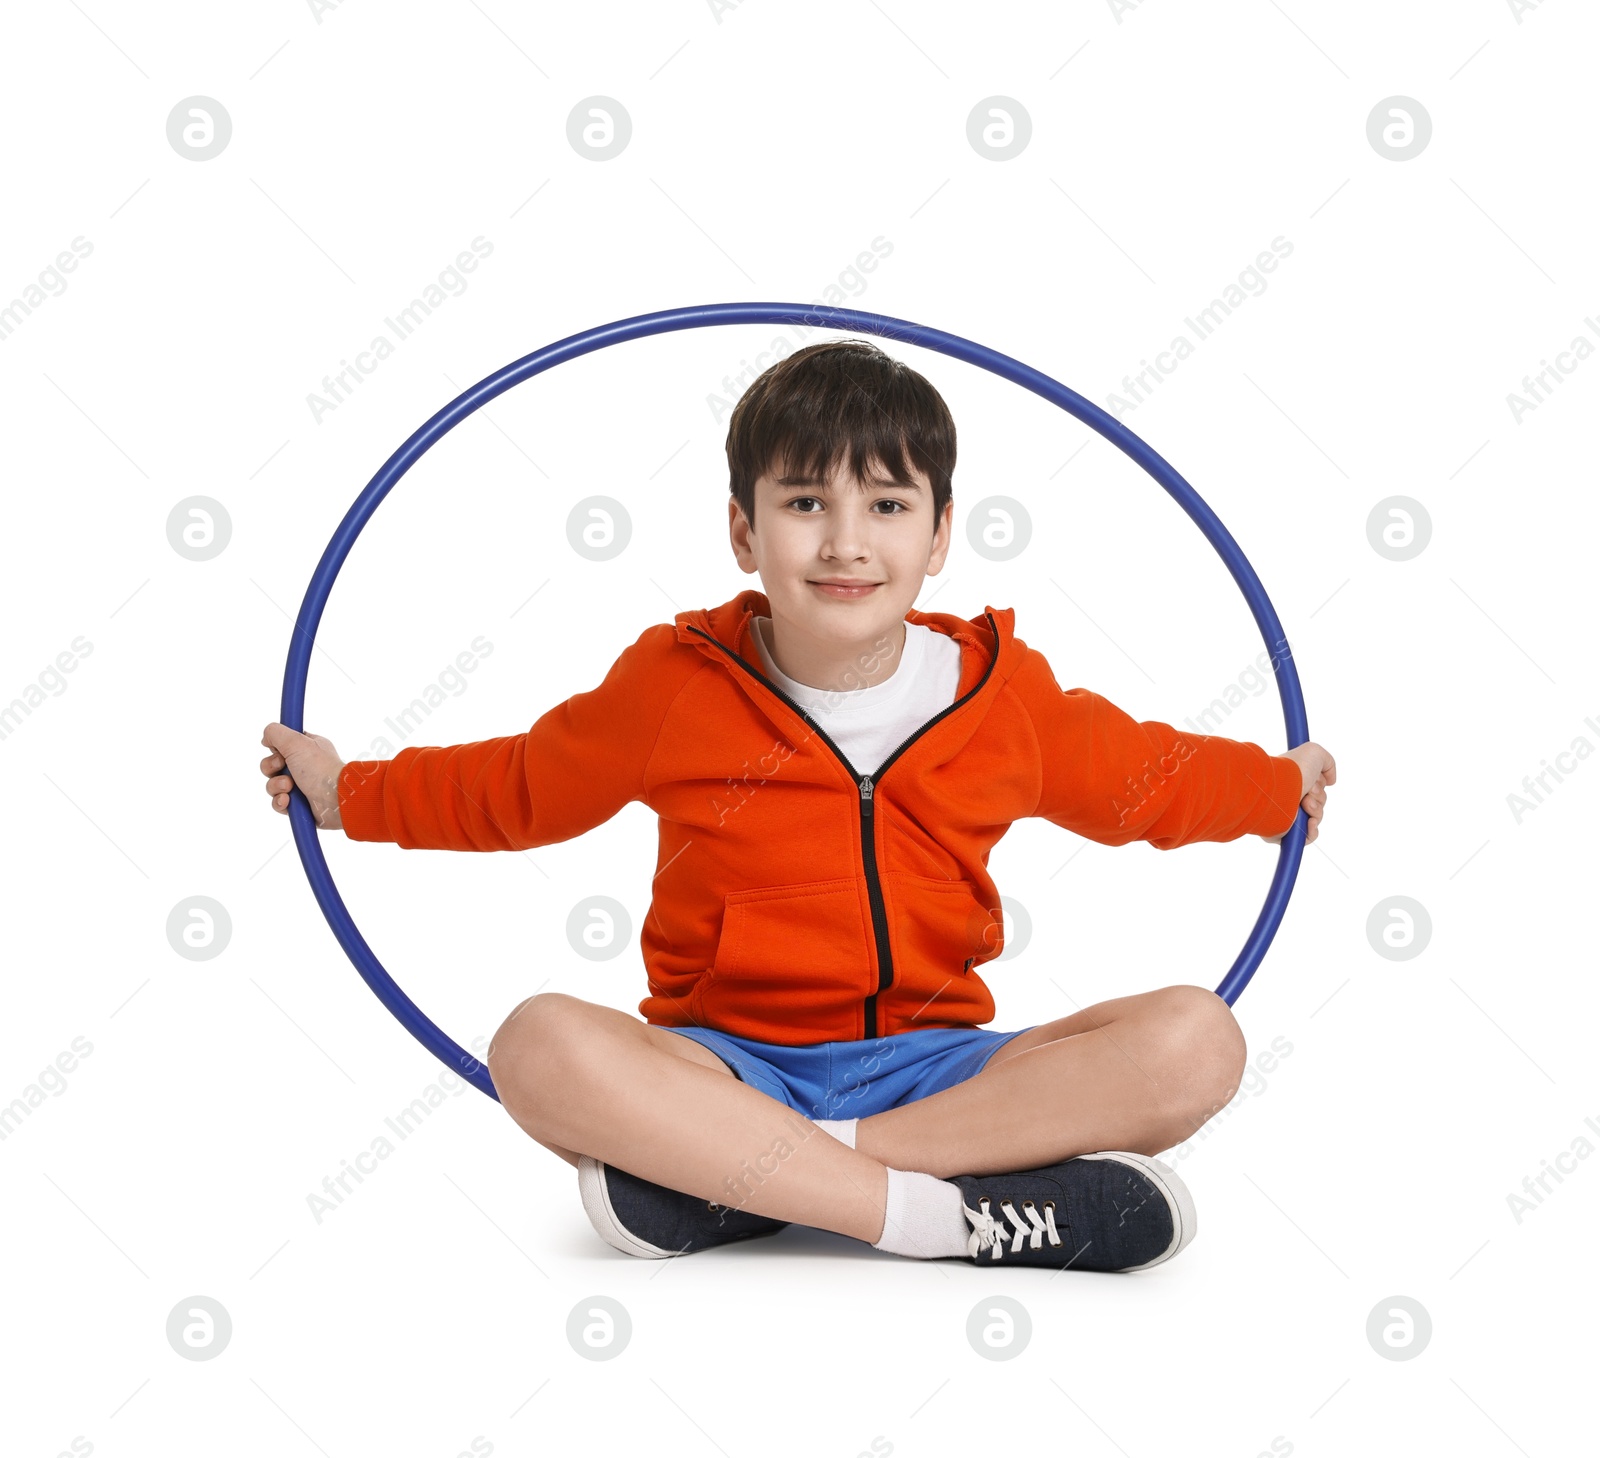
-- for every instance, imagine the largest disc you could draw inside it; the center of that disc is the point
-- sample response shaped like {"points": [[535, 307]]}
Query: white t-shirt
{"points": [[869, 724]]}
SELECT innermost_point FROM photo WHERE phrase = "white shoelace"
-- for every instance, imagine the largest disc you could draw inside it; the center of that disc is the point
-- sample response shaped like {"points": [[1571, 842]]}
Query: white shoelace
{"points": [[990, 1234]]}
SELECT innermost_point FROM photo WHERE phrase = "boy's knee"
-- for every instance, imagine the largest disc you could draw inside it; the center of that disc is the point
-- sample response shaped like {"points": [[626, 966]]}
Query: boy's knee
{"points": [[1204, 1046], [539, 1032]]}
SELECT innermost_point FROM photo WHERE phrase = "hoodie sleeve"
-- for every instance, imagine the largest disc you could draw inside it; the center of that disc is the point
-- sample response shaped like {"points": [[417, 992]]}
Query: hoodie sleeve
{"points": [[1112, 779], [574, 769]]}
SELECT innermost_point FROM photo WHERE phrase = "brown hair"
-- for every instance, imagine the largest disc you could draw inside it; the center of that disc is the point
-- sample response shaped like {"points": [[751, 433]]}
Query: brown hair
{"points": [[842, 399]]}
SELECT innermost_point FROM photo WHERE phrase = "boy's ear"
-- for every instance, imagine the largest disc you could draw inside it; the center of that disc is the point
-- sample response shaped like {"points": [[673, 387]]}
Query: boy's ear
{"points": [[941, 537], [739, 536]]}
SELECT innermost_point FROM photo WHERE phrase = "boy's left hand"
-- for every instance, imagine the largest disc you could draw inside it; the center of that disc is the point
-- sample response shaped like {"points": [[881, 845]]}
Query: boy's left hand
{"points": [[1316, 772]]}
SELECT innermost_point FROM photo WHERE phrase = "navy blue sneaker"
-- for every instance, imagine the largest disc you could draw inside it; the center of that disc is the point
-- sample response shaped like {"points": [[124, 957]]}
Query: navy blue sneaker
{"points": [[1110, 1211], [644, 1219]]}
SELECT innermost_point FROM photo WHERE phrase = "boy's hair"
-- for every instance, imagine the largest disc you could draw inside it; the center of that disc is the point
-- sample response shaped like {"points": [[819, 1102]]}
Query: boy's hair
{"points": [[844, 399]]}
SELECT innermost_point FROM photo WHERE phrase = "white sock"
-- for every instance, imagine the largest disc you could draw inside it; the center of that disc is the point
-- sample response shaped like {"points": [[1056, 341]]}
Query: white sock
{"points": [[923, 1217], [844, 1130]]}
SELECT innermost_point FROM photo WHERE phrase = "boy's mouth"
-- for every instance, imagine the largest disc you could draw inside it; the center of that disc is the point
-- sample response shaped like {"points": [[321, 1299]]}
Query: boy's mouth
{"points": [[844, 587]]}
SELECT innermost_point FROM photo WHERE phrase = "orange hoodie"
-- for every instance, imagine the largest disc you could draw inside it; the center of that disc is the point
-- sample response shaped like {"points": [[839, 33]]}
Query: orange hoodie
{"points": [[798, 900]]}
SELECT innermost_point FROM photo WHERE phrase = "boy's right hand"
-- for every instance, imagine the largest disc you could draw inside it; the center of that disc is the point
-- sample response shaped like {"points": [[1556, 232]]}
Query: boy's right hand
{"points": [[312, 765]]}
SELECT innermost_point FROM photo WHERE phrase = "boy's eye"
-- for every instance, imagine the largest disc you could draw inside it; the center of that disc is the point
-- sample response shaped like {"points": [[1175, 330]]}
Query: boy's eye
{"points": [[900, 508]]}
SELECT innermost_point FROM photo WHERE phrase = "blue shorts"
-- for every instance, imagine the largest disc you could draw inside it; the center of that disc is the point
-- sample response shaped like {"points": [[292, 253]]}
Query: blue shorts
{"points": [[854, 1080]]}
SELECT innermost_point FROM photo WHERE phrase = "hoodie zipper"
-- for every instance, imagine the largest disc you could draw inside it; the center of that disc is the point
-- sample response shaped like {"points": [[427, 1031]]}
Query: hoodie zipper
{"points": [[865, 785]]}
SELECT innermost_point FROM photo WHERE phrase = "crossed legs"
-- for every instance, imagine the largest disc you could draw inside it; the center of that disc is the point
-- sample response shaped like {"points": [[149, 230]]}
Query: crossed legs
{"points": [[1139, 1073]]}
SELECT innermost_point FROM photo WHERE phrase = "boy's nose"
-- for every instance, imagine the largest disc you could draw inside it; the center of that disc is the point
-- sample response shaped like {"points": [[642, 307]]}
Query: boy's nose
{"points": [[845, 539]]}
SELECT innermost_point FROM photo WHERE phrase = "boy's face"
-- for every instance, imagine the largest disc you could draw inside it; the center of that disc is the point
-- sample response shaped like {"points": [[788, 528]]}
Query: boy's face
{"points": [[878, 534]]}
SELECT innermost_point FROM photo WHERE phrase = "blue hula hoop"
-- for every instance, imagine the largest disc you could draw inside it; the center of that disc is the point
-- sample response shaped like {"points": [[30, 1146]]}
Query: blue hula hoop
{"points": [[388, 991]]}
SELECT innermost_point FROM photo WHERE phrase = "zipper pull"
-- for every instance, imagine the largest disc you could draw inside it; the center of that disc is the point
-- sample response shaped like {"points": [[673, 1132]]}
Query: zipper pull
{"points": [[866, 794]]}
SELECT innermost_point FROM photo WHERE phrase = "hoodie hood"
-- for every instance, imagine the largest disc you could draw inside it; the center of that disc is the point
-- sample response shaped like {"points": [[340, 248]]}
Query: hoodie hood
{"points": [[729, 624]]}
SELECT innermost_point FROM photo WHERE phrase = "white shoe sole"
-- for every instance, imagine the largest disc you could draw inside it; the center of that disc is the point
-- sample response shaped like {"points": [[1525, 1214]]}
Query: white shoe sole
{"points": [[1179, 1201], [597, 1206]]}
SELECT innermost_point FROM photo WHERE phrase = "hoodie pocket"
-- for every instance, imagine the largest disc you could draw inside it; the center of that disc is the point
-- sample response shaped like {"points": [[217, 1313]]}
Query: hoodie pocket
{"points": [[799, 948], [941, 929]]}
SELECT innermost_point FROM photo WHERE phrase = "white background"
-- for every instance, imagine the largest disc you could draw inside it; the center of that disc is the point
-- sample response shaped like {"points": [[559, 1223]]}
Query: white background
{"points": [[1170, 145]]}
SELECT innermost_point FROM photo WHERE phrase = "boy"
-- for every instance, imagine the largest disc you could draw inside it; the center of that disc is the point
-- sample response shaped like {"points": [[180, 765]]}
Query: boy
{"points": [[830, 769]]}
